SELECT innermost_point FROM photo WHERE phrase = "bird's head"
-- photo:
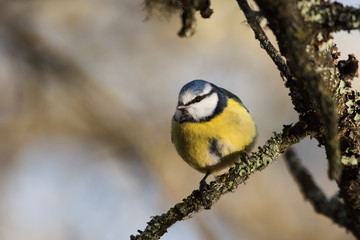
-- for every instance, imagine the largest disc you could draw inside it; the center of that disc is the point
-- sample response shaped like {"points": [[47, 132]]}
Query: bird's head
{"points": [[199, 101]]}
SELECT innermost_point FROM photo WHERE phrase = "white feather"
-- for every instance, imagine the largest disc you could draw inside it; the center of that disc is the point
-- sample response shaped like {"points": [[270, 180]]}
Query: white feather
{"points": [[204, 108], [190, 95]]}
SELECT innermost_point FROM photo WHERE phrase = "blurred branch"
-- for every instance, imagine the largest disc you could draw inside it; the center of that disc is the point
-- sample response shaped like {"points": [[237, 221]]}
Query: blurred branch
{"points": [[55, 94], [228, 182], [188, 7], [333, 208]]}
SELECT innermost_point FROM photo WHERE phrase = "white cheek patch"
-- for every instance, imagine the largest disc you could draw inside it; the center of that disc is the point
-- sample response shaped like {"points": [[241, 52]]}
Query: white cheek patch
{"points": [[205, 108], [187, 97]]}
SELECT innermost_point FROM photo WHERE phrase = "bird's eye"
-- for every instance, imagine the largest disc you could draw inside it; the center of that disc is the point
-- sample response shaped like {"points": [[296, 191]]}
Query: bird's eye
{"points": [[198, 99]]}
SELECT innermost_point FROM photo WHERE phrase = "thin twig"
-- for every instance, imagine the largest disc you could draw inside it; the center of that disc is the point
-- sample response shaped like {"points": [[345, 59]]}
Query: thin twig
{"points": [[253, 20]]}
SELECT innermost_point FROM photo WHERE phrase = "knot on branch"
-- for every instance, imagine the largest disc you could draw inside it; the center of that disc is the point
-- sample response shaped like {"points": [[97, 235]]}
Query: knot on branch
{"points": [[348, 68]]}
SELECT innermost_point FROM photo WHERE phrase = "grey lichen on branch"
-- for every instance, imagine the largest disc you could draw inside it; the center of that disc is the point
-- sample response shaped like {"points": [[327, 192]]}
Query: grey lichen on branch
{"points": [[225, 183], [332, 16], [318, 79]]}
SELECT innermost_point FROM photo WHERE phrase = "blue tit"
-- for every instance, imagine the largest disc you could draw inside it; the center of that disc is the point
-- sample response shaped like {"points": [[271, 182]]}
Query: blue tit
{"points": [[211, 127]]}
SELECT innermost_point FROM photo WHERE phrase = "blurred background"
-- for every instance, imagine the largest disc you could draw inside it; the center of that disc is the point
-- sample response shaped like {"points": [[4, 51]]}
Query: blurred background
{"points": [[87, 92]]}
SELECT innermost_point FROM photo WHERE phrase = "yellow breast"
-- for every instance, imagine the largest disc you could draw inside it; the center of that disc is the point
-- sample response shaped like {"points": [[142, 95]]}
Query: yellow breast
{"points": [[212, 145]]}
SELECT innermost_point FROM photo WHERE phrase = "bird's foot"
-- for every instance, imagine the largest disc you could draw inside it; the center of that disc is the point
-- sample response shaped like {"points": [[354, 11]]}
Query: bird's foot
{"points": [[244, 156], [203, 187]]}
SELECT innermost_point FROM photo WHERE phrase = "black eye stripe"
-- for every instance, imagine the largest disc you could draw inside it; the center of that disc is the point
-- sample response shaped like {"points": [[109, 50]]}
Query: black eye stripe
{"points": [[199, 98]]}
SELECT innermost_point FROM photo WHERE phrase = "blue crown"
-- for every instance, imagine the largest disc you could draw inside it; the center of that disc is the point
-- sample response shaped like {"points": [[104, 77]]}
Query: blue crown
{"points": [[195, 86]]}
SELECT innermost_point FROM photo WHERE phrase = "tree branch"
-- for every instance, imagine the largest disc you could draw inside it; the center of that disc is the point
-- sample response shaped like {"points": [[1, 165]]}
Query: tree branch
{"points": [[228, 182], [332, 16], [349, 123], [310, 93], [316, 87], [333, 208]]}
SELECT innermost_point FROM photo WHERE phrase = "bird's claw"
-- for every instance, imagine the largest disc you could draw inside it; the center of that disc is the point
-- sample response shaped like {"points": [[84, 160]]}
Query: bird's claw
{"points": [[203, 188]]}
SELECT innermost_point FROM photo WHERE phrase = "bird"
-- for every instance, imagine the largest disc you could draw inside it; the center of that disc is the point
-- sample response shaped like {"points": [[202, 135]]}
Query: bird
{"points": [[211, 128]]}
